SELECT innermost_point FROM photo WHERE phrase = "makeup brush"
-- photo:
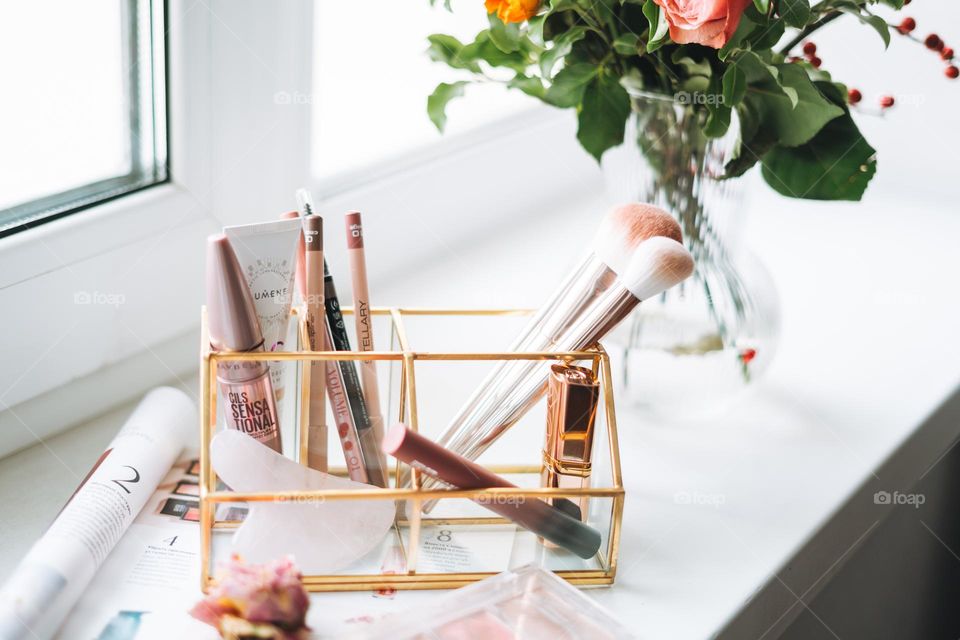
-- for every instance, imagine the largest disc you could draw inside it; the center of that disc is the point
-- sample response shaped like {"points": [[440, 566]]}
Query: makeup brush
{"points": [[621, 232], [656, 264]]}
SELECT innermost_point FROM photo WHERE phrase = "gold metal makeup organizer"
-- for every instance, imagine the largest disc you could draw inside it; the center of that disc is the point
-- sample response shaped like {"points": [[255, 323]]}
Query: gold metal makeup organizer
{"points": [[606, 493]]}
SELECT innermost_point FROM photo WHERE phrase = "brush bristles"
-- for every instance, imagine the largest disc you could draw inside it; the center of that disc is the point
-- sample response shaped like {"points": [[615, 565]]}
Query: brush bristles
{"points": [[626, 227], [658, 264]]}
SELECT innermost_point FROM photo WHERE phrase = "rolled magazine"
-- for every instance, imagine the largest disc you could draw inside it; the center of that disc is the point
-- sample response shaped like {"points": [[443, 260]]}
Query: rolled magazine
{"points": [[54, 573]]}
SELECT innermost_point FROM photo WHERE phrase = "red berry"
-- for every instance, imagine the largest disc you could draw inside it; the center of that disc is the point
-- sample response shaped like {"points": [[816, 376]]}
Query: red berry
{"points": [[947, 53], [747, 355], [809, 48], [854, 96], [815, 62], [933, 41], [952, 72], [908, 25], [906, 2], [887, 101]]}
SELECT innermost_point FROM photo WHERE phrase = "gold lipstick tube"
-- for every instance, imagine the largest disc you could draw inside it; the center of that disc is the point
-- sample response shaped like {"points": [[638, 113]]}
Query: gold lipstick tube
{"points": [[573, 395]]}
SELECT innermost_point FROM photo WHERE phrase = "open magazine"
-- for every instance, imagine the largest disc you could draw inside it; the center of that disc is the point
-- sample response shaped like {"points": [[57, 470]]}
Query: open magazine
{"points": [[152, 577], [125, 537]]}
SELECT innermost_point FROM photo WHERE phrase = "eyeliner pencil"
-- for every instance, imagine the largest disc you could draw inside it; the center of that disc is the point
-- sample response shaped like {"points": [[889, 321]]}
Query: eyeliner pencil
{"points": [[337, 331], [364, 323], [316, 329]]}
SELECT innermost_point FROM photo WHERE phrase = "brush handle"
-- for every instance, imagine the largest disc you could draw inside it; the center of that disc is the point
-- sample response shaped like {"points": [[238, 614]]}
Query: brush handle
{"points": [[515, 386], [570, 301]]}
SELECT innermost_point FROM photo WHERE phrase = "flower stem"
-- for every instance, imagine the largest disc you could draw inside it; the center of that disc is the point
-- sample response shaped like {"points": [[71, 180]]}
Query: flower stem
{"points": [[809, 29]]}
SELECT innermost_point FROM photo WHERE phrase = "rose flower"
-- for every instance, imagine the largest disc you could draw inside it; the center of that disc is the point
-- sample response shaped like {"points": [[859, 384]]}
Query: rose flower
{"points": [[706, 22]]}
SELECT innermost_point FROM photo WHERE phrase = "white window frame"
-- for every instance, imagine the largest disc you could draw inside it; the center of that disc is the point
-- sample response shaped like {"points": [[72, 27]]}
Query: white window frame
{"points": [[234, 155]]}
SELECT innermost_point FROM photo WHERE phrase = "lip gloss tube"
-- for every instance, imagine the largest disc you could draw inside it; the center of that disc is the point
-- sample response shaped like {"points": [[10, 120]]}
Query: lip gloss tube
{"points": [[533, 514], [573, 394], [249, 402]]}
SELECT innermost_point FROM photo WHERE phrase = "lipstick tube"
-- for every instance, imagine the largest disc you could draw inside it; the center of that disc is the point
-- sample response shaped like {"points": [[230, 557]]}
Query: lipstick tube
{"points": [[573, 394], [456, 471]]}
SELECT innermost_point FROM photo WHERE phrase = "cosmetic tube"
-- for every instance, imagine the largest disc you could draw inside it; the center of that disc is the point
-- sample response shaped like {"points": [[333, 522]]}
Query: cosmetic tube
{"points": [[457, 472], [350, 391], [313, 283], [248, 398], [363, 321], [573, 394], [267, 252]]}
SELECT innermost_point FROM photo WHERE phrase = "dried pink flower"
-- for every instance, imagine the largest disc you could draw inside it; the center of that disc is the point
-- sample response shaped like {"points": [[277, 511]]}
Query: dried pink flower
{"points": [[256, 601]]}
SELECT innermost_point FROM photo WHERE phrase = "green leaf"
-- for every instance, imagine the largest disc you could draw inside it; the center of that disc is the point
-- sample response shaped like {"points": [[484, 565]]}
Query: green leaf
{"points": [[556, 6], [694, 85], [718, 111], [767, 36], [561, 47], [718, 120], [754, 142], [437, 102], [446, 5], [763, 6], [626, 44], [896, 4], [505, 37], [569, 84], [737, 39], [535, 29], [449, 50], [659, 28], [530, 86], [482, 48], [689, 65], [796, 13], [879, 24], [837, 164], [792, 123], [734, 86], [603, 115], [757, 71]]}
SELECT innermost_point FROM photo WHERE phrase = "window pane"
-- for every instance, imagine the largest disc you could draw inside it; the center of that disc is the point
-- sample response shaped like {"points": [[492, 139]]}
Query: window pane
{"points": [[80, 121], [371, 82]]}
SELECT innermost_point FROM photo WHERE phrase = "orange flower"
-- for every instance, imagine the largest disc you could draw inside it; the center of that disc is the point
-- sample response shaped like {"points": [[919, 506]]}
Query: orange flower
{"points": [[513, 10]]}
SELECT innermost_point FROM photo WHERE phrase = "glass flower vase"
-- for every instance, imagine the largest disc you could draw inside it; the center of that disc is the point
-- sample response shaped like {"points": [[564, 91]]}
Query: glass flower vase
{"points": [[692, 349]]}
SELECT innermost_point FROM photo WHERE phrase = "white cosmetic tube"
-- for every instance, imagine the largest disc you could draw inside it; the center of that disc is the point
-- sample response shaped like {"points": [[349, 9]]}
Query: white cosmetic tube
{"points": [[267, 252]]}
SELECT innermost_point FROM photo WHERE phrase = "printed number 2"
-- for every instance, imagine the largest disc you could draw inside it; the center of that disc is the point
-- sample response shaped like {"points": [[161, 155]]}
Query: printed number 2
{"points": [[445, 535], [135, 479]]}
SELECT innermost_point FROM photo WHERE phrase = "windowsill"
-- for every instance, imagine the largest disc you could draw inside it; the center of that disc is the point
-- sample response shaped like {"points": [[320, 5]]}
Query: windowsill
{"points": [[846, 409]]}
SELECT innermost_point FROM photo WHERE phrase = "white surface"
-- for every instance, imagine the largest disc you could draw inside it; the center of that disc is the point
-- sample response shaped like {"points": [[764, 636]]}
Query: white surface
{"points": [[715, 508]]}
